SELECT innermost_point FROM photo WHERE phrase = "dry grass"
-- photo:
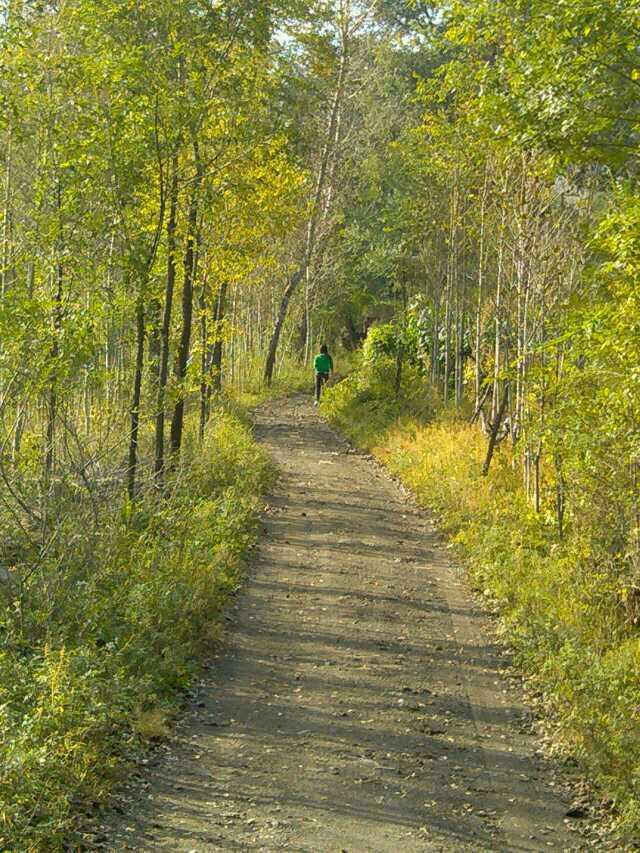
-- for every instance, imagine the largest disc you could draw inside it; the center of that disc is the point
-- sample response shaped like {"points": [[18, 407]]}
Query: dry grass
{"points": [[152, 724]]}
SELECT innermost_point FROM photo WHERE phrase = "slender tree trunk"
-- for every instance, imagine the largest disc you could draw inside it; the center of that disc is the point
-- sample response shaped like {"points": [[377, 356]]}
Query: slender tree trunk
{"points": [[86, 400], [401, 336], [52, 403], [480, 294], [7, 220], [216, 355], [281, 316], [399, 365], [451, 284], [459, 305], [205, 376], [635, 513], [495, 429], [165, 331], [154, 322], [459, 370], [233, 341], [537, 477], [435, 346], [109, 359], [561, 485], [309, 341], [135, 401], [497, 350], [560, 494], [303, 331], [182, 360], [21, 419], [523, 360], [447, 344], [522, 324]]}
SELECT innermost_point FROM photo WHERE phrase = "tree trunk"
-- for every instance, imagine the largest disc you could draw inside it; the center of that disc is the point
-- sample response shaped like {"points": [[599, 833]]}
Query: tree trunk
{"points": [[154, 322], [21, 419], [216, 355], [166, 324], [289, 290], [205, 376], [480, 295], [459, 369], [447, 346], [135, 401], [451, 283], [497, 350], [495, 429], [399, 364], [537, 477], [435, 344], [52, 403], [7, 224], [560, 494], [182, 361], [303, 331], [232, 343]]}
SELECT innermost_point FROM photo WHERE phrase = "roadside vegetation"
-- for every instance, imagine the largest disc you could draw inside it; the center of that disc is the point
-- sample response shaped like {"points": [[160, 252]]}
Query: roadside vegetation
{"points": [[148, 191], [566, 603], [104, 634]]}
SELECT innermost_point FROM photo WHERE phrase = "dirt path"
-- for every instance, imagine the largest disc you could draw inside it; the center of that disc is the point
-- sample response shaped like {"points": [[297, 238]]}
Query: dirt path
{"points": [[360, 704]]}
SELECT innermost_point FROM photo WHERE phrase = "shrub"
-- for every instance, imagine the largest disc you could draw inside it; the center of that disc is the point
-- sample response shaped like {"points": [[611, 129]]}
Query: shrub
{"points": [[364, 404], [115, 630], [381, 342]]}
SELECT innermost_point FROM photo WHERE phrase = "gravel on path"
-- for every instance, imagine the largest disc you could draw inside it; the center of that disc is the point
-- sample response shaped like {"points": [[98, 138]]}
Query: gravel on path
{"points": [[361, 702]]}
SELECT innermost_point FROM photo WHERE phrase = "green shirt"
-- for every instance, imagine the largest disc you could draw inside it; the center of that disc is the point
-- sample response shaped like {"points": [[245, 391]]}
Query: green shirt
{"points": [[323, 363]]}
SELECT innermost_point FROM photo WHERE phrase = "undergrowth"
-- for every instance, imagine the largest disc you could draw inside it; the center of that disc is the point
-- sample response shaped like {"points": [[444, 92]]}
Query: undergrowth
{"points": [[291, 376], [560, 600], [99, 642]]}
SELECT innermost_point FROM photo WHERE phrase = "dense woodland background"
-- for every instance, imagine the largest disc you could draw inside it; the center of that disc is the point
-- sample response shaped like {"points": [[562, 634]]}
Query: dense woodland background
{"points": [[194, 194]]}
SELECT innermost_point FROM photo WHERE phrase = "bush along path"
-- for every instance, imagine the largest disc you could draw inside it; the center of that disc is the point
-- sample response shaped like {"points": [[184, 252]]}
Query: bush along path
{"points": [[361, 703], [106, 635]]}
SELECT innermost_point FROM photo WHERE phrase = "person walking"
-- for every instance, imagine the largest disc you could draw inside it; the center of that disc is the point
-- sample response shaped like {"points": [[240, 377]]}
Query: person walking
{"points": [[323, 366]]}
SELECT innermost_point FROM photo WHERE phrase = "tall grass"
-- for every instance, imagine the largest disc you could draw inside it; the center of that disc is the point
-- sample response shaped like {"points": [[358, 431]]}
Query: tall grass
{"points": [[560, 600], [109, 631], [290, 376]]}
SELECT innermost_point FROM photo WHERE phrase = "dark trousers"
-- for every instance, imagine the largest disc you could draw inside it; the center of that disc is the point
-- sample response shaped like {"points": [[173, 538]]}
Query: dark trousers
{"points": [[321, 378]]}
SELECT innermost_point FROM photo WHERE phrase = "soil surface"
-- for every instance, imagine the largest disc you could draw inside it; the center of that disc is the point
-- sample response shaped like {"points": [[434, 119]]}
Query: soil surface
{"points": [[361, 703]]}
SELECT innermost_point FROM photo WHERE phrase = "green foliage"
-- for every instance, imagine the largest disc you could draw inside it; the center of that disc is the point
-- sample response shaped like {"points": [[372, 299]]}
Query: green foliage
{"points": [[364, 405], [381, 343], [508, 211], [106, 631], [414, 336]]}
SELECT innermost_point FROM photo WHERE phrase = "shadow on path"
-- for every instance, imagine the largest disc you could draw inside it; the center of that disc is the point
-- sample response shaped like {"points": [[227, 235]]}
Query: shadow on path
{"points": [[360, 704]]}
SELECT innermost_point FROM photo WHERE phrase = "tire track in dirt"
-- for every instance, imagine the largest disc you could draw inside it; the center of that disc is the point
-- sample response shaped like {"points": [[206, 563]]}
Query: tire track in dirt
{"points": [[360, 703]]}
